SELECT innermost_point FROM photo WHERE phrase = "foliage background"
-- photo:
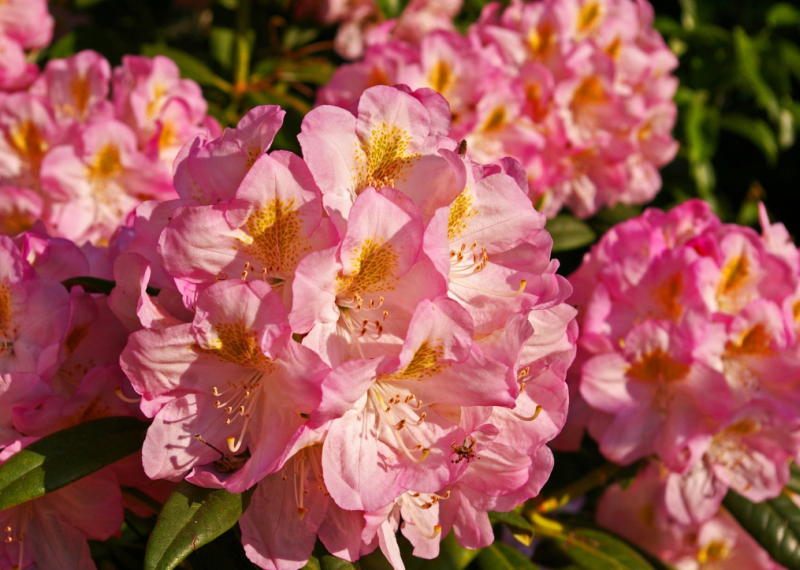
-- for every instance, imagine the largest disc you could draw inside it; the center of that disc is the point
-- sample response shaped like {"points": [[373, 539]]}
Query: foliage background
{"points": [[739, 120]]}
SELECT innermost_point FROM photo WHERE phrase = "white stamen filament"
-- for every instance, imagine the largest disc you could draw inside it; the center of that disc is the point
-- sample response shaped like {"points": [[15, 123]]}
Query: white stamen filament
{"points": [[436, 529], [383, 409], [239, 405], [466, 262], [124, 398]]}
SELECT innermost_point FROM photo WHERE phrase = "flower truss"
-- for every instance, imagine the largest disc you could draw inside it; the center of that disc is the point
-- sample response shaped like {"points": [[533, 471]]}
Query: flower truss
{"points": [[689, 356], [578, 91], [372, 333], [82, 162]]}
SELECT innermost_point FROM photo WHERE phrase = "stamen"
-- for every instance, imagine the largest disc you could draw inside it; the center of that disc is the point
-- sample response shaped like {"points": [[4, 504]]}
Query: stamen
{"points": [[124, 398], [531, 418]]}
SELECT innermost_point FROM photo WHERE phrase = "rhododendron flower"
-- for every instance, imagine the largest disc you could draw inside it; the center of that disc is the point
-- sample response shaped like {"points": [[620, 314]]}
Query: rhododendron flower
{"points": [[376, 329], [68, 156], [234, 378], [99, 181], [391, 140], [274, 220], [23, 26], [51, 532], [581, 94], [361, 21], [639, 514], [699, 309], [389, 409]]}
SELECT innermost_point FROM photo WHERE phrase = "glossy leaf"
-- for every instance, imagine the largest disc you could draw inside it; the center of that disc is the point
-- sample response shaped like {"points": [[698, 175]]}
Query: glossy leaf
{"points": [[312, 564], [63, 457], [516, 523], [501, 556], [774, 524], [569, 233], [329, 562], [191, 517], [190, 66], [591, 548]]}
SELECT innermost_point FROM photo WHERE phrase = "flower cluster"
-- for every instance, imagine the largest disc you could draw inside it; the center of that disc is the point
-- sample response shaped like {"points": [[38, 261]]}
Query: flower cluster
{"points": [[59, 367], [81, 162], [369, 333], [578, 91], [24, 25], [689, 353], [361, 22]]}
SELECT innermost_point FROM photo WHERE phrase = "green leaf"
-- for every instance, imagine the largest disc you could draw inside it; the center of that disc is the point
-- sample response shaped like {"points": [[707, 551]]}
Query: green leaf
{"points": [[191, 517], [511, 518], [312, 564], [756, 131], [516, 523], [63, 457], [749, 69], [64, 47], [783, 14], [329, 562], [591, 548], [190, 66], [221, 42], [774, 524], [501, 556], [794, 478], [569, 233]]}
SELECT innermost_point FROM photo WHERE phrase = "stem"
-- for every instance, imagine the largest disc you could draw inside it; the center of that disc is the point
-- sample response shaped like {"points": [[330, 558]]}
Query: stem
{"points": [[595, 478], [242, 71]]}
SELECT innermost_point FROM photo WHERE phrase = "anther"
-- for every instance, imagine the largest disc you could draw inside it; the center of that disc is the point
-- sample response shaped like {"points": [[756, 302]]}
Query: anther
{"points": [[124, 398]]}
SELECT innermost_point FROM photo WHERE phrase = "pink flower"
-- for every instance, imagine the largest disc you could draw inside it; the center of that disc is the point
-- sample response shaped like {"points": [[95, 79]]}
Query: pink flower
{"points": [[96, 183], [356, 300], [391, 140], [162, 108], [389, 408], [274, 221], [51, 532], [674, 307], [582, 95], [77, 87], [234, 378]]}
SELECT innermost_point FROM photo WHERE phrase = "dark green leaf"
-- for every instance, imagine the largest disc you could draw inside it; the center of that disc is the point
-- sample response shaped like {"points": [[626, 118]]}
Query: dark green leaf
{"points": [[221, 41], [794, 479], [328, 562], [501, 556], [516, 523], [783, 14], [756, 131], [595, 549], [511, 518], [775, 524], [191, 517], [63, 457], [190, 66], [749, 68], [569, 233], [64, 47]]}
